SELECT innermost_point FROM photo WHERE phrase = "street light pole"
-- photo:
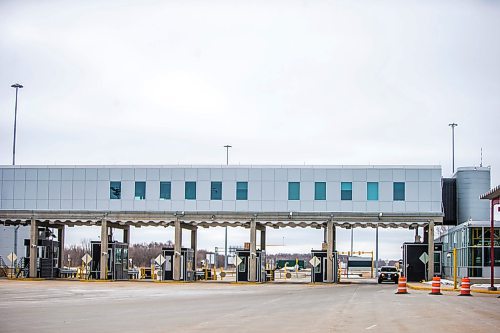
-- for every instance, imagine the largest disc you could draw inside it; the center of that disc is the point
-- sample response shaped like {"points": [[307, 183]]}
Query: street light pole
{"points": [[225, 234], [453, 125], [17, 86]]}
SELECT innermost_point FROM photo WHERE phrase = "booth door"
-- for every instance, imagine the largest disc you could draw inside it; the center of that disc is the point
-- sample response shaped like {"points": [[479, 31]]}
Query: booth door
{"points": [[169, 271], [118, 264], [242, 270]]}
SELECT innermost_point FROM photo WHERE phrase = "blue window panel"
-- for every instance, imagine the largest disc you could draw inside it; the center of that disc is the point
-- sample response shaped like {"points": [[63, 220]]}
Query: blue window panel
{"points": [[320, 191], [346, 191], [140, 190], [293, 191], [372, 191], [216, 191], [115, 190], [399, 191], [241, 190], [190, 190], [165, 190]]}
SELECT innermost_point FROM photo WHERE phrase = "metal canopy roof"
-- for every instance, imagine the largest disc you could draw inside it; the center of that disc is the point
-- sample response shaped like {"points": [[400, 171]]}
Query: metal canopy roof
{"points": [[492, 194], [220, 219]]}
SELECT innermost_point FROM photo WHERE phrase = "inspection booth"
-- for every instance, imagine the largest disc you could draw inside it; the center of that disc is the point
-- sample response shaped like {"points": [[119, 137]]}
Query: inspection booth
{"points": [[187, 264], [48, 254], [117, 263], [414, 268], [319, 272], [243, 269]]}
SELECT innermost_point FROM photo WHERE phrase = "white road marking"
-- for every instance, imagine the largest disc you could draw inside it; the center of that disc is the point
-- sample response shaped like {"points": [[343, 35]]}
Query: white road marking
{"points": [[370, 327]]}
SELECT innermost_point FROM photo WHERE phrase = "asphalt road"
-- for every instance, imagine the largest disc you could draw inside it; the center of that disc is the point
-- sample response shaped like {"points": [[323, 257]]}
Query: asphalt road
{"points": [[64, 306]]}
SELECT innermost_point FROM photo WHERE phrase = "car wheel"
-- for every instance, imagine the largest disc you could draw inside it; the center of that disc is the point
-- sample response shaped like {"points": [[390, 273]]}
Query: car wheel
{"points": [[379, 282]]}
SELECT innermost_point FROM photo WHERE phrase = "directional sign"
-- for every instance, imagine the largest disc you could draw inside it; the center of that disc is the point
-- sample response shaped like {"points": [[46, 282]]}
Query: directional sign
{"points": [[12, 257], [160, 259], [314, 261], [86, 259], [424, 258], [238, 261]]}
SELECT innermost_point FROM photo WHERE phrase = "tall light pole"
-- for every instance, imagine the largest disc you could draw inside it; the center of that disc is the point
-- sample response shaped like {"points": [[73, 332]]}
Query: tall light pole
{"points": [[17, 86], [225, 235], [453, 125]]}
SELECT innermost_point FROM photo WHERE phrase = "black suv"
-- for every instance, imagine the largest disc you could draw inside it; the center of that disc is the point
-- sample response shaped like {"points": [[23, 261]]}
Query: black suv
{"points": [[388, 273]]}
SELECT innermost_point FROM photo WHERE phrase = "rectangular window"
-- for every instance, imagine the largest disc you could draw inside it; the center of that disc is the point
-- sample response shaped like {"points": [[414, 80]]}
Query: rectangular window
{"points": [[241, 190], [140, 190], [372, 191], [320, 191], [216, 191], [165, 190], [293, 191], [346, 191], [399, 191], [190, 191], [115, 190]]}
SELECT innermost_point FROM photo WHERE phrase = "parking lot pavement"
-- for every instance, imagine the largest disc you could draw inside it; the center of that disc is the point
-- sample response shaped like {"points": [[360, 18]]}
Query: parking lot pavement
{"points": [[53, 306]]}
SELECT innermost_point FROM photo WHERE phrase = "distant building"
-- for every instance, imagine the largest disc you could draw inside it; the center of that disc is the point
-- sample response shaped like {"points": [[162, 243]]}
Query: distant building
{"points": [[471, 235]]}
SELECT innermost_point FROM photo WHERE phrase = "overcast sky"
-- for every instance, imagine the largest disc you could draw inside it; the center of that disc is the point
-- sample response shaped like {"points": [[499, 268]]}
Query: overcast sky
{"points": [[284, 82]]}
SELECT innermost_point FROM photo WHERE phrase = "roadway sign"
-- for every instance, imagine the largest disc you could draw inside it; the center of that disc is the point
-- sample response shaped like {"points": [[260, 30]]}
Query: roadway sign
{"points": [[238, 261], [160, 259], [86, 259], [314, 261], [12, 257], [424, 258]]}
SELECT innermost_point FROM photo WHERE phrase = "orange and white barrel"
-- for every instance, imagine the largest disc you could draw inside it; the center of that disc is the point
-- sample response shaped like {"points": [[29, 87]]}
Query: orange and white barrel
{"points": [[402, 285], [436, 286], [465, 287]]}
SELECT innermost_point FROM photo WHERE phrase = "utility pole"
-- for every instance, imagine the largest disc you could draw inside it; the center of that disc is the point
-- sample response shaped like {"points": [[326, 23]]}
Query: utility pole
{"points": [[453, 125], [225, 235], [17, 86]]}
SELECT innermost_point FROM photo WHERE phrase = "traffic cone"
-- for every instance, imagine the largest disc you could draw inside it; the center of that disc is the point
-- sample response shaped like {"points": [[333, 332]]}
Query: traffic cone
{"points": [[436, 286], [465, 287], [402, 285]]}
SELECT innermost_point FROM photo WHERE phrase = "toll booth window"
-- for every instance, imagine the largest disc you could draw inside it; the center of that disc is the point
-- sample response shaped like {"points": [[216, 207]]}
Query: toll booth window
{"points": [[140, 190], [118, 255], [165, 190], [115, 190], [320, 191], [317, 269], [399, 191], [371, 191], [190, 190], [216, 191], [242, 265], [346, 191], [241, 190], [293, 191]]}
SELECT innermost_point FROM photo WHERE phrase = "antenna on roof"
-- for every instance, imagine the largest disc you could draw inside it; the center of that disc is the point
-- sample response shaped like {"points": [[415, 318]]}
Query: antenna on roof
{"points": [[481, 164]]}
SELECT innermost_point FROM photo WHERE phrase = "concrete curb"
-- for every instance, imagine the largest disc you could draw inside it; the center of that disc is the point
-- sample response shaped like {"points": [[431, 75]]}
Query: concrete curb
{"points": [[410, 286]]}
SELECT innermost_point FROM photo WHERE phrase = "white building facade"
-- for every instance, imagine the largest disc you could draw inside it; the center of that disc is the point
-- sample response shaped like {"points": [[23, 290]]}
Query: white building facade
{"points": [[386, 189]]}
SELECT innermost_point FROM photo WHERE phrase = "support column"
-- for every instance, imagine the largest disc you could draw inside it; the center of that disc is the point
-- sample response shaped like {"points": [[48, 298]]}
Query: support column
{"points": [[194, 244], [329, 251], [103, 274], [177, 250], [33, 247], [126, 234], [60, 237], [417, 237], [263, 238], [252, 260], [430, 264]]}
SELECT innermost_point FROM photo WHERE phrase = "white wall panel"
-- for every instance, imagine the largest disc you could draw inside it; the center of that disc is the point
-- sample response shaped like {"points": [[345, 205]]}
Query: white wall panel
{"points": [[128, 190], [78, 189], [267, 175], [229, 175], [31, 189], [333, 175], [359, 175], [103, 174], [19, 189], [115, 174], [359, 191], [42, 190], [281, 175], [91, 174], [307, 175], [411, 189], [32, 174], [229, 190], [399, 175], [55, 174], [140, 174], [385, 191], [66, 189], [43, 174], [424, 191], [20, 174], [42, 204], [385, 175], [91, 190], [103, 190], [8, 174], [254, 191], [268, 191], [55, 189], [178, 190], [242, 174], [307, 191], [320, 175], [294, 175]]}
